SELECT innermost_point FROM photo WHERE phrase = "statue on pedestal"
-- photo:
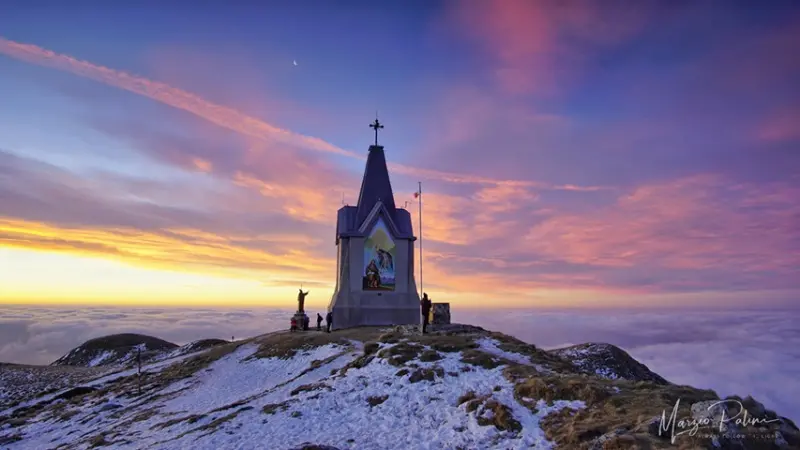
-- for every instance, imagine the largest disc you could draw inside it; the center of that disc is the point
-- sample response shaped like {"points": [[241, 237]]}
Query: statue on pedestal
{"points": [[301, 300]]}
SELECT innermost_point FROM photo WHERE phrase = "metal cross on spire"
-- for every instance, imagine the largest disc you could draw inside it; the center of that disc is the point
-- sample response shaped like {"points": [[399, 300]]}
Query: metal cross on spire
{"points": [[377, 126]]}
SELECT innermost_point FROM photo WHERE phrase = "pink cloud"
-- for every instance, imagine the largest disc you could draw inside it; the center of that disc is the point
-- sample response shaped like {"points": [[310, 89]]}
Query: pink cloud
{"points": [[536, 46], [699, 222], [782, 127]]}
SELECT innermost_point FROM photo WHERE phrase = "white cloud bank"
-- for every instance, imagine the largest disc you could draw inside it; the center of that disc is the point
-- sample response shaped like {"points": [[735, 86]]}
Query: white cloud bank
{"points": [[736, 352]]}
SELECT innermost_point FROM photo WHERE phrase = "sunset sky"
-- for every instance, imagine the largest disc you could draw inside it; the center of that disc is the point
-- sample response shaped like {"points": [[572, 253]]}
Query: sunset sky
{"points": [[576, 153]]}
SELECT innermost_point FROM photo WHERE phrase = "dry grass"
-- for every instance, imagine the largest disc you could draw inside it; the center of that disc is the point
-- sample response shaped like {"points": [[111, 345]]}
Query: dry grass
{"points": [[626, 414], [449, 343], [426, 374], [192, 365], [501, 417], [562, 388], [369, 354], [309, 388], [429, 356], [66, 415], [377, 400], [371, 347], [287, 345], [469, 395], [481, 359], [357, 363], [518, 372], [391, 337], [98, 441], [399, 354], [10, 439], [140, 417], [188, 419], [76, 394], [214, 424], [273, 408], [536, 355], [230, 406], [20, 416]]}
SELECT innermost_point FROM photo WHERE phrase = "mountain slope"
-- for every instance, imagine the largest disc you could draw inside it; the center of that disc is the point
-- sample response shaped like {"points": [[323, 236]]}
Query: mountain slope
{"points": [[364, 388]]}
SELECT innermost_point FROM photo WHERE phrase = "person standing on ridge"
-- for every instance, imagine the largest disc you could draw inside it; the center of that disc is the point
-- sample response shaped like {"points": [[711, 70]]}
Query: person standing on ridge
{"points": [[425, 305], [319, 322], [329, 320]]}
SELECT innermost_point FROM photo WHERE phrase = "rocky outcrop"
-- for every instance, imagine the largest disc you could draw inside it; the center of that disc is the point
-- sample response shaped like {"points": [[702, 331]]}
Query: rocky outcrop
{"points": [[607, 361], [441, 314]]}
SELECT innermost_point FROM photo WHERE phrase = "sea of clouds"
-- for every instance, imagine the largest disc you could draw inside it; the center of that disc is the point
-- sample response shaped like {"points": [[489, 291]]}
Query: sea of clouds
{"points": [[732, 352]]}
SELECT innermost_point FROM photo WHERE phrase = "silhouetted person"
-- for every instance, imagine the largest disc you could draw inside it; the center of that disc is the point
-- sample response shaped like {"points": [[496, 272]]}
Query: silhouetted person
{"points": [[329, 320], [319, 322], [305, 322], [293, 325], [425, 305]]}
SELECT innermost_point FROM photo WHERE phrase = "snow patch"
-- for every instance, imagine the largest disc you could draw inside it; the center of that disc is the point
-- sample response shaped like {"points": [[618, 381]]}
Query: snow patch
{"points": [[98, 359], [490, 346]]}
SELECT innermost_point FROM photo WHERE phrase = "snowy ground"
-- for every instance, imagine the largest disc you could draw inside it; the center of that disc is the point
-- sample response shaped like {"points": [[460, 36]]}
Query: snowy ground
{"points": [[241, 402], [582, 357]]}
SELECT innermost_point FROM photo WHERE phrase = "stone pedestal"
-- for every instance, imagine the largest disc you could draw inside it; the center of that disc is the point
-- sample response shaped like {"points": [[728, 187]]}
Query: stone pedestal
{"points": [[299, 318], [440, 313]]}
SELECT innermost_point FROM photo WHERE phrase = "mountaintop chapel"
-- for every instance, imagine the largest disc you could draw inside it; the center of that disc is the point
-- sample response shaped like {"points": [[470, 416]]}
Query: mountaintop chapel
{"points": [[375, 254]]}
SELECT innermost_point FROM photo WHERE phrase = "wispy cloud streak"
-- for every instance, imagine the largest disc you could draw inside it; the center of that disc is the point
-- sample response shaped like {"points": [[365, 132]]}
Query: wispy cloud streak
{"points": [[225, 116]]}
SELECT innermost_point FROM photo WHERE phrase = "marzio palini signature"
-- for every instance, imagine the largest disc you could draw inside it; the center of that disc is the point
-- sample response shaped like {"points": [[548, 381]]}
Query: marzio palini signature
{"points": [[690, 426]]}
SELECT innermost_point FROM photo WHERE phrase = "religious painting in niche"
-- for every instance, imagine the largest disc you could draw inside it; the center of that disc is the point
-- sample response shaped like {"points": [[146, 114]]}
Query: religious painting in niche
{"points": [[379, 258]]}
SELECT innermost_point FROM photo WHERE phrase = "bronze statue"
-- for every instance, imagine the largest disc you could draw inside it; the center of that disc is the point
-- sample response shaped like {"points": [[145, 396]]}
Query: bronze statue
{"points": [[301, 300]]}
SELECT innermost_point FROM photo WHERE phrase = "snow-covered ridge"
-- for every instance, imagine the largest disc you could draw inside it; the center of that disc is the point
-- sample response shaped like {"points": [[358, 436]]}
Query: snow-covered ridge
{"points": [[607, 361], [360, 389]]}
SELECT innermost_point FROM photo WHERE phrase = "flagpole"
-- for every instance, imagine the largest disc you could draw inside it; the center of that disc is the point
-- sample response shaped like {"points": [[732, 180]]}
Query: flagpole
{"points": [[420, 238]]}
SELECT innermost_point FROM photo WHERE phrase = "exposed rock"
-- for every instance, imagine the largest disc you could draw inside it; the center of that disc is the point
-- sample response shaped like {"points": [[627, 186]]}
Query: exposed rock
{"points": [[607, 361], [441, 314], [713, 412], [310, 446], [75, 392]]}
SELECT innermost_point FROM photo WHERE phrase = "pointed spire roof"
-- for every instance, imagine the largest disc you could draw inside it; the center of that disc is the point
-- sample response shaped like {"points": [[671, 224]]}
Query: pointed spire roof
{"points": [[375, 186]]}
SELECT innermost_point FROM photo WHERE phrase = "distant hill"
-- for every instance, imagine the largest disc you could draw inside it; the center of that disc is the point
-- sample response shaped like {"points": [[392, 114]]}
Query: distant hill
{"points": [[114, 349], [457, 387]]}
